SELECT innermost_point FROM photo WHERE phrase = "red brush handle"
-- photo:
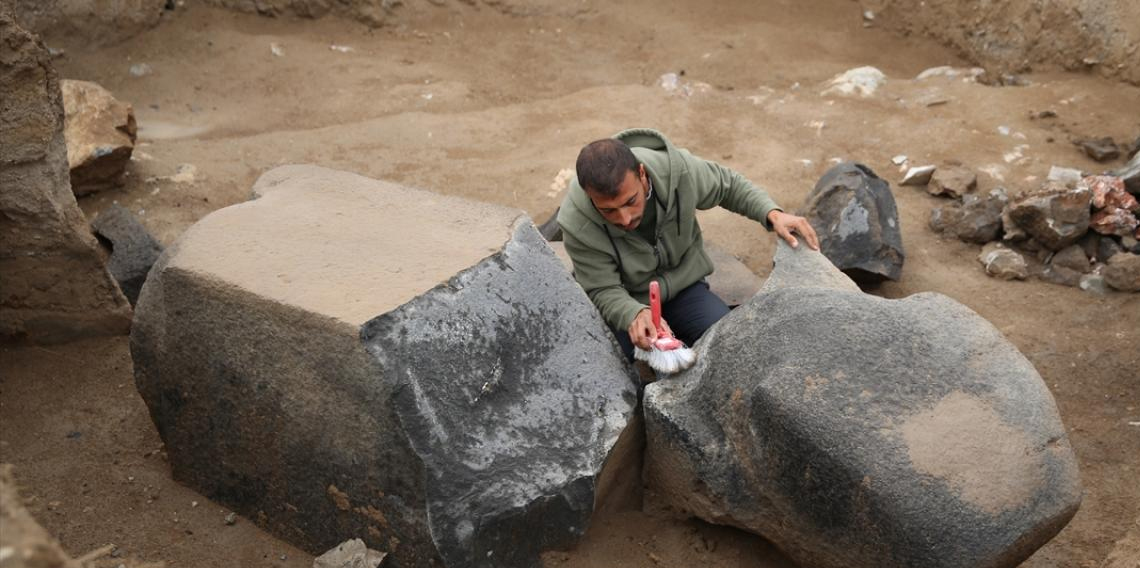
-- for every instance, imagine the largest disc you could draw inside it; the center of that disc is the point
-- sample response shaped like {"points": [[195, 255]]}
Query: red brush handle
{"points": [[655, 306]]}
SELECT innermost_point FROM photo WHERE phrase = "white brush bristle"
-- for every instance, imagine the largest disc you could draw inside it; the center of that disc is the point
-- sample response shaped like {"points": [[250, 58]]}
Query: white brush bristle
{"points": [[667, 362]]}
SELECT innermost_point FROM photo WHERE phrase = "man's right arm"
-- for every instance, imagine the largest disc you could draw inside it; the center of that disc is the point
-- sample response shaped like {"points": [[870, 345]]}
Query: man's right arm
{"points": [[597, 273]]}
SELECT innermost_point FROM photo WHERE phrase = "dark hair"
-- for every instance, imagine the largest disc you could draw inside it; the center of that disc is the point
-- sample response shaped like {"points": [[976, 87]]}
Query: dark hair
{"points": [[602, 165]]}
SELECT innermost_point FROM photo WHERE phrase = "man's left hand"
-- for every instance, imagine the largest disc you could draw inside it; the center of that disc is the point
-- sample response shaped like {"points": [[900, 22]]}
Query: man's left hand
{"points": [[786, 225]]}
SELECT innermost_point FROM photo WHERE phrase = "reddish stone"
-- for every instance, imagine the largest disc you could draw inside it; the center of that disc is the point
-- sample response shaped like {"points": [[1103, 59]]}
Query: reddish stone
{"points": [[1114, 221], [1108, 191]]}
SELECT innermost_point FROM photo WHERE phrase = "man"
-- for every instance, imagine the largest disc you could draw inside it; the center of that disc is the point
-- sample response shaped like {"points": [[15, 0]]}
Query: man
{"points": [[630, 218]]}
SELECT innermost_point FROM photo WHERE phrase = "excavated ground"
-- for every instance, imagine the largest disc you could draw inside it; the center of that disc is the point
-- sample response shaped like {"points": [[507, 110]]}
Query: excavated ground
{"points": [[490, 105]]}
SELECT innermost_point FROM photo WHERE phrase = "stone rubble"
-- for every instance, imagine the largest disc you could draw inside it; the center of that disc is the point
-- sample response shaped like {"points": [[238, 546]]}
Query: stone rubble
{"points": [[1063, 231]]}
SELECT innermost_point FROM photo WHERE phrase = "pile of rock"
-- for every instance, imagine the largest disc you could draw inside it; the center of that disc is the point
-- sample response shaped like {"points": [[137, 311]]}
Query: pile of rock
{"points": [[1071, 230]]}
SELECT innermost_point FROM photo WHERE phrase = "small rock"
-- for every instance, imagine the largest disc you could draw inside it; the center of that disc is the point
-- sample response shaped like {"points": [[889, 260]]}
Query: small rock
{"points": [[860, 81], [1089, 244], [276, 49], [1123, 272], [1114, 221], [1053, 214], [1073, 258], [133, 250], [1109, 191], [350, 554], [1130, 244], [1093, 283], [948, 72], [953, 180], [855, 216], [1067, 176], [1003, 263], [1099, 149], [1010, 229], [100, 133], [672, 84], [918, 175], [1042, 114], [1106, 248], [341, 48], [231, 519], [974, 220], [140, 69], [899, 160], [1061, 275]]}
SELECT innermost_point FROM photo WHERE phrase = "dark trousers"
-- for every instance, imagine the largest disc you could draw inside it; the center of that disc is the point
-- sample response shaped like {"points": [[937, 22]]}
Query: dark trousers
{"points": [[689, 315]]}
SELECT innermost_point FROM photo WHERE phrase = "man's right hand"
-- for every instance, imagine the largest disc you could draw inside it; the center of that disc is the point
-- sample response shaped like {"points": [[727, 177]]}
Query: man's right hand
{"points": [[641, 330]]}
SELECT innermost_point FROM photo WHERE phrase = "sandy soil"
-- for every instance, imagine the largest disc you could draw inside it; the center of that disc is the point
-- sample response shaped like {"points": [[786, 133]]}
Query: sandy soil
{"points": [[483, 104]]}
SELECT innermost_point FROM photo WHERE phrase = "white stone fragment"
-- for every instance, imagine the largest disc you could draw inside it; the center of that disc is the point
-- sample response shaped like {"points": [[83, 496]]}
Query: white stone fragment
{"points": [[918, 175], [860, 81]]}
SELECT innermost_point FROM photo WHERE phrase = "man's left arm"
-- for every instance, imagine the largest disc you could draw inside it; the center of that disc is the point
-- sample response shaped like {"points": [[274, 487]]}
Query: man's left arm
{"points": [[719, 185]]}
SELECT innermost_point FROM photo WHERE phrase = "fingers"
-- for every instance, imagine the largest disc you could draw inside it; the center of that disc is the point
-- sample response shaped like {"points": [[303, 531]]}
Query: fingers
{"points": [[808, 232], [788, 225], [785, 233], [641, 330]]}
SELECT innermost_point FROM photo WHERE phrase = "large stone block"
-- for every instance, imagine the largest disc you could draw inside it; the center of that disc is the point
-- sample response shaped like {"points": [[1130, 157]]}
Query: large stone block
{"points": [[854, 214], [346, 358], [55, 286], [855, 431]]}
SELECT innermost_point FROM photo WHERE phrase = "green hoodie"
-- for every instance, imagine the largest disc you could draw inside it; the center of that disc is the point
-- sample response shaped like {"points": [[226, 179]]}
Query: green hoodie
{"points": [[615, 267]]}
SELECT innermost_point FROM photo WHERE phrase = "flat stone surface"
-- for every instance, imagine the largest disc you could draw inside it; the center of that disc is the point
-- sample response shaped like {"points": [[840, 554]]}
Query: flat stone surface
{"points": [[294, 369], [855, 431], [429, 252]]}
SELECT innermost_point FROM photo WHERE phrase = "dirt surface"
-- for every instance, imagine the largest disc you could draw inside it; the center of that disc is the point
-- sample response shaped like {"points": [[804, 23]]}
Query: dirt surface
{"points": [[475, 102], [1090, 36]]}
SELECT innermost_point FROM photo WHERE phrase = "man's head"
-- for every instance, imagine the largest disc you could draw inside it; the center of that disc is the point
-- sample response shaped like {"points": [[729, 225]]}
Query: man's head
{"points": [[614, 181]]}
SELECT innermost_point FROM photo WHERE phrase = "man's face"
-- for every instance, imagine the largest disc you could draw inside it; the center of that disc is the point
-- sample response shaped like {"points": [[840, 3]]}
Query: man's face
{"points": [[626, 209]]}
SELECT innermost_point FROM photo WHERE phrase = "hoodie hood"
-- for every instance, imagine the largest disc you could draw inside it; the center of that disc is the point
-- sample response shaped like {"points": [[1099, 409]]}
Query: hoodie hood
{"points": [[662, 162]]}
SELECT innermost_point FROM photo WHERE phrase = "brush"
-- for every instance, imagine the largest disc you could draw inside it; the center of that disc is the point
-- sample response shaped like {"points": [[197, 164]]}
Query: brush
{"points": [[667, 354]]}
